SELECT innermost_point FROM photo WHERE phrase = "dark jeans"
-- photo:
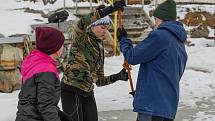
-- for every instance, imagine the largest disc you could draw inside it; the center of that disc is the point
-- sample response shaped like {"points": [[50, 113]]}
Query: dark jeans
{"points": [[145, 117], [79, 107]]}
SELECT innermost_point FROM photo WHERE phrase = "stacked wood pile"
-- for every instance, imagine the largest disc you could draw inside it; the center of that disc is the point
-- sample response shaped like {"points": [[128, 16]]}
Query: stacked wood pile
{"points": [[201, 21], [10, 60]]}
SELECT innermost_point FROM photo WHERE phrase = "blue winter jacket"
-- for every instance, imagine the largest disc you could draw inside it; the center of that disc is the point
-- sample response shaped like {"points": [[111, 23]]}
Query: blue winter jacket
{"points": [[162, 58]]}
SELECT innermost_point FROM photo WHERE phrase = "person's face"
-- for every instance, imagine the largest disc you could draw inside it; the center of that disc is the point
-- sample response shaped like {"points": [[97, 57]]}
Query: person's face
{"points": [[100, 31], [157, 22], [60, 51]]}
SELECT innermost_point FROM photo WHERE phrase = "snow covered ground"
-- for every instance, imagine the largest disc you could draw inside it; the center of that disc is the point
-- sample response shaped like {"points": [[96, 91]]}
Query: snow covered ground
{"points": [[197, 98], [197, 89]]}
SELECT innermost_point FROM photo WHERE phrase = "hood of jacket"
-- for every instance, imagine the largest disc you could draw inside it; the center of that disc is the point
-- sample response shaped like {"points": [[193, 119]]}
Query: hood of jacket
{"points": [[176, 28], [37, 62]]}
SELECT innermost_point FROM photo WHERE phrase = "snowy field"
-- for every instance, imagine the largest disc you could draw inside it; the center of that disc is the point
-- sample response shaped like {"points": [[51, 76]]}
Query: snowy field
{"points": [[197, 97], [197, 86]]}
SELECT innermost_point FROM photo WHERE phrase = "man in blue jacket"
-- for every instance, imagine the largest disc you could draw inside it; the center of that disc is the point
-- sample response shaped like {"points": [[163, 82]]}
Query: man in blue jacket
{"points": [[162, 58]]}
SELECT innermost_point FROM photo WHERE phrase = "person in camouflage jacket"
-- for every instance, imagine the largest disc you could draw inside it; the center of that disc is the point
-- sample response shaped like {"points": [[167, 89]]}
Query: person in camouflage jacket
{"points": [[85, 65]]}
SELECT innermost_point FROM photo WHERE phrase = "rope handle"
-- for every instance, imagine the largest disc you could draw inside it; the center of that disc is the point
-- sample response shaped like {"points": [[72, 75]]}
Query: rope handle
{"points": [[128, 68], [126, 65]]}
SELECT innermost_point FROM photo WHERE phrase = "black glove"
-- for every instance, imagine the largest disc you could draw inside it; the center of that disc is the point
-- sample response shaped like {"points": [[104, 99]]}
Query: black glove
{"points": [[122, 75], [132, 93], [64, 116], [100, 7], [114, 7], [121, 33], [119, 4]]}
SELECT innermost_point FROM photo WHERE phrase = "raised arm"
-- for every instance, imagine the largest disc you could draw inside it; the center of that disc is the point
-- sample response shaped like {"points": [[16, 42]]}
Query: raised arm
{"points": [[88, 19]]}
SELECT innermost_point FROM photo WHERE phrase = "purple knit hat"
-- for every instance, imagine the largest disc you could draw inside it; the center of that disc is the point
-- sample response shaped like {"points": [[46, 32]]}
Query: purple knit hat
{"points": [[49, 40]]}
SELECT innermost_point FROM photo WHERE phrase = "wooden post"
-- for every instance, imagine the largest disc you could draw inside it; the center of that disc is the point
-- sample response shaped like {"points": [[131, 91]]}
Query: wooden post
{"points": [[143, 4], [64, 5], [156, 3], [91, 8], [76, 7]]}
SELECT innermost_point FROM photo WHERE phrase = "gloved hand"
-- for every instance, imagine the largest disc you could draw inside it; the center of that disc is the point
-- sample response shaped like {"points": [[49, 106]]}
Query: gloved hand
{"points": [[100, 7], [64, 116], [112, 8], [122, 75], [132, 93], [121, 33], [119, 4]]}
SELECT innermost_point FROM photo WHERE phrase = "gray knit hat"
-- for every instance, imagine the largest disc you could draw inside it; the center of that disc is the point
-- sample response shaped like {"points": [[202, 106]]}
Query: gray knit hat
{"points": [[102, 21]]}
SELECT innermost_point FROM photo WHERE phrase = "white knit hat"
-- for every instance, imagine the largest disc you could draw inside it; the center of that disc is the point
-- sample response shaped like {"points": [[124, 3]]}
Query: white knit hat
{"points": [[102, 21]]}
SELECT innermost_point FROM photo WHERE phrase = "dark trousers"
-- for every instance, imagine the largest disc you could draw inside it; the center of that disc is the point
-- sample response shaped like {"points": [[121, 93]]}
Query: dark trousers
{"points": [[79, 107], [145, 117]]}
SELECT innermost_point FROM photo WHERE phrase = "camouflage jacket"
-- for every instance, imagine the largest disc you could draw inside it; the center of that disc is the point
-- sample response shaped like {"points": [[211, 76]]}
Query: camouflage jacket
{"points": [[85, 63]]}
